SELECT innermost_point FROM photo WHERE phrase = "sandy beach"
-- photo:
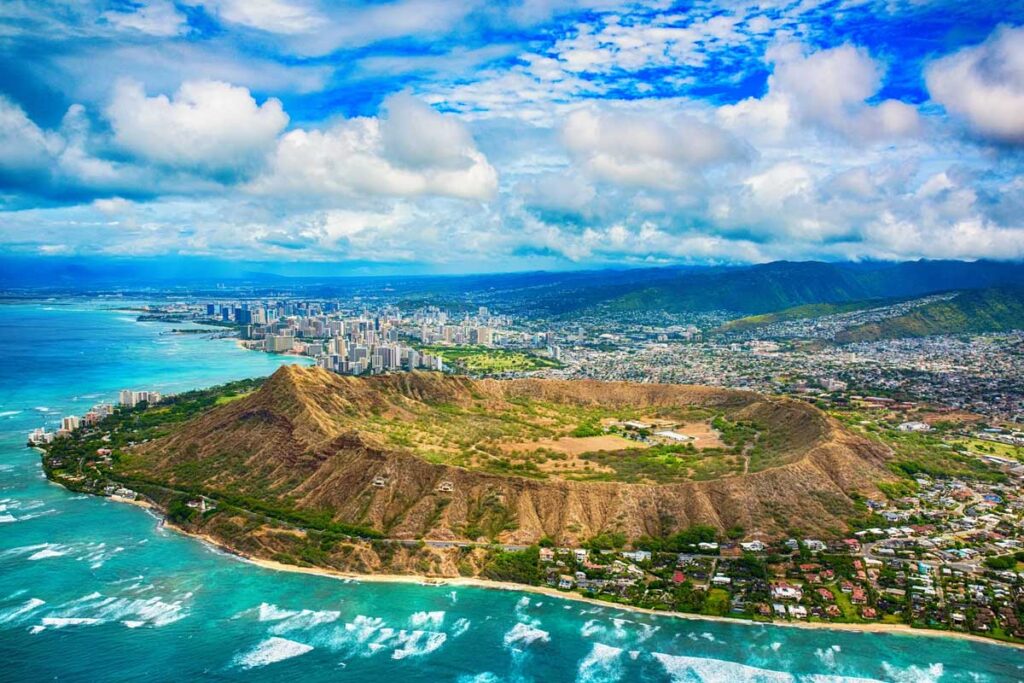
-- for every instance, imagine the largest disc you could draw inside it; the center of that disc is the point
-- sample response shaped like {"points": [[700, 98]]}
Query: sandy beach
{"points": [[892, 629]]}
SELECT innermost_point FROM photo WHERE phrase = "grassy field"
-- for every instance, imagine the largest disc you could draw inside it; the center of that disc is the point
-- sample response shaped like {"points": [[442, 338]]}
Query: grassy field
{"points": [[481, 360], [543, 440], [983, 447]]}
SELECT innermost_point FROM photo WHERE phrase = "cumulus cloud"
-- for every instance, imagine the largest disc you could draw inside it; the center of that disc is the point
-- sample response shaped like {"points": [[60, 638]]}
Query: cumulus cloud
{"points": [[557, 193], [829, 89], [417, 136], [24, 147], [207, 126], [645, 150], [984, 85], [412, 150]]}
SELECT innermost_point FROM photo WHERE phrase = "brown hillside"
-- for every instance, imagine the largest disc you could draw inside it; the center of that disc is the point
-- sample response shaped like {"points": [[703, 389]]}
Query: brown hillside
{"points": [[312, 440]]}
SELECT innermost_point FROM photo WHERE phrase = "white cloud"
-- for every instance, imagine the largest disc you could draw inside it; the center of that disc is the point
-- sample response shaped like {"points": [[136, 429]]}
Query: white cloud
{"points": [[274, 16], [780, 182], [646, 150], [557, 192], [417, 136], [828, 89], [155, 18], [208, 126], [24, 146], [412, 151], [984, 85]]}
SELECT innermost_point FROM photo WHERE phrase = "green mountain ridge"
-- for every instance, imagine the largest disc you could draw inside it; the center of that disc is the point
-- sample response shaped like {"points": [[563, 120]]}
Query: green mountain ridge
{"points": [[783, 285], [998, 309]]}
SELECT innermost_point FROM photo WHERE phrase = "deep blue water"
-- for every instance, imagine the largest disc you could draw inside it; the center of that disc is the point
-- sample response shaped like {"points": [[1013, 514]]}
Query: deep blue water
{"points": [[94, 590]]}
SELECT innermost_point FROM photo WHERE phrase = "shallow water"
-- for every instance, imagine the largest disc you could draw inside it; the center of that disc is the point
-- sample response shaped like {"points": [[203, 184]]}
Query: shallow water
{"points": [[94, 590]]}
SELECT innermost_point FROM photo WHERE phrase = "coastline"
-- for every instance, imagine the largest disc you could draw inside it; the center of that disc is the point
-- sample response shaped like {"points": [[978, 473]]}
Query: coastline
{"points": [[272, 565]]}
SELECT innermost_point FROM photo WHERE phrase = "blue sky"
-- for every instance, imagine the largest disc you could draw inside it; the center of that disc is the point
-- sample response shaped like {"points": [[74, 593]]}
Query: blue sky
{"points": [[475, 136]]}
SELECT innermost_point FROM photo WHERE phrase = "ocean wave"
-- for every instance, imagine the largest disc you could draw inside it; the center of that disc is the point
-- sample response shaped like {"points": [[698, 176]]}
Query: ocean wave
{"points": [[34, 515], [522, 635], [367, 636], [61, 622], [23, 550], [417, 643], [482, 677], [602, 664], [9, 413], [304, 620], [684, 669], [433, 619], [7, 519], [623, 631], [827, 656], [13, 615], [459, 627], [49, 550], [913, 674], [271, 650], [95, 608], [290, 619]]}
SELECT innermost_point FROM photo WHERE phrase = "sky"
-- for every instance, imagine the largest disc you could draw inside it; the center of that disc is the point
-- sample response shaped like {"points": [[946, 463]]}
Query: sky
{"points": [[475, 136]]}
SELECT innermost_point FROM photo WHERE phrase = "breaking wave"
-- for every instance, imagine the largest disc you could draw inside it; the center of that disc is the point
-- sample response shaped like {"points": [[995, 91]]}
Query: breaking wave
{"points": [[602, 664], [271, 650], [522, 635]]}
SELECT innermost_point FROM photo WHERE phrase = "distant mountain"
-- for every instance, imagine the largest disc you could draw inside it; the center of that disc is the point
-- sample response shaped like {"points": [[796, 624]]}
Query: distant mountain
{"points": [[782, 285], [998, 309], [802, 312]]}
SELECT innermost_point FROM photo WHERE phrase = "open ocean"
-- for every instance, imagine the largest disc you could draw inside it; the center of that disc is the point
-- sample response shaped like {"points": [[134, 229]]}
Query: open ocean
{"points": [[92, 590]]}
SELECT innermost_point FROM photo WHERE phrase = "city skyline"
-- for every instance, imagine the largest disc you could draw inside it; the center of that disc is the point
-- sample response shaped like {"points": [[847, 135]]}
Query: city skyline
{"points": [[438, 137]]}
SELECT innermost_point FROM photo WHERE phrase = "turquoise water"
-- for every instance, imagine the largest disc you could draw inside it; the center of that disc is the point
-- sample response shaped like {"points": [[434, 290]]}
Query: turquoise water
{"points": [[94, 590]]}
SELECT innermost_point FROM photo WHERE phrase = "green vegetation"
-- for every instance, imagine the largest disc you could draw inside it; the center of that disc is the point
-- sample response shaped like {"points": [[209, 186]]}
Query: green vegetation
{"points": [[482, 360], [681, 541], [971, 312], [803, 312], [920, 453], [521, 566], [1004, 562], [76, 462], [612, 540]]}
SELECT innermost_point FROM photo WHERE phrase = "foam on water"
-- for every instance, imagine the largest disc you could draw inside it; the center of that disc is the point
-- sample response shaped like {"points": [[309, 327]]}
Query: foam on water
{"points": [[483, 677], [271, 650], [459, 627], [602, 664], [827, 656], [290, 620], [522, 635], [61, 622], [7, 519], [50, 550], [96, 608], [913, 674], [417, 643], [431, 619], [14, 614], [684, 669]]}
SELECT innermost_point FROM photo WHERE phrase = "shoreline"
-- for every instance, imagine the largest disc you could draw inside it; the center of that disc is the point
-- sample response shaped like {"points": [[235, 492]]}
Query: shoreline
{"points": [[473, 582]]}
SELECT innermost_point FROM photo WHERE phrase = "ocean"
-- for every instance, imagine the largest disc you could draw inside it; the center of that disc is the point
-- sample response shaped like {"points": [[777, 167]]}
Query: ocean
{"points": [[92, 590]]}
